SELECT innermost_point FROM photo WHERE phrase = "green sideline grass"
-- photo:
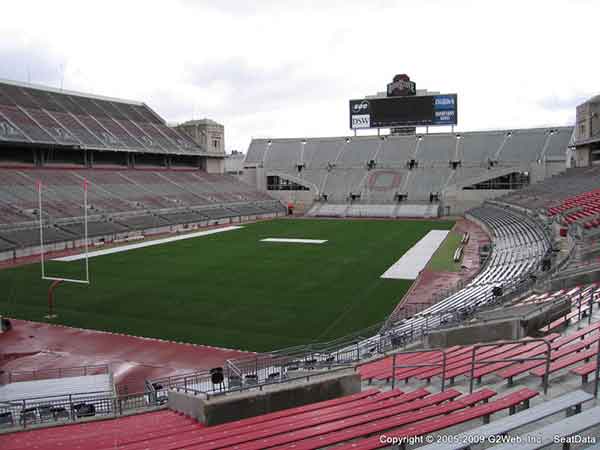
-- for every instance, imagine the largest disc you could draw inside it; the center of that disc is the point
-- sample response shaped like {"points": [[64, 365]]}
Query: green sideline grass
{"points": [[230, 289], [443, 259]]}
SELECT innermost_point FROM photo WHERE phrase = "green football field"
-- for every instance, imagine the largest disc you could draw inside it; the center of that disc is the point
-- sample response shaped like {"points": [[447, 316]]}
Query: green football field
{"points": [[230, 289]]}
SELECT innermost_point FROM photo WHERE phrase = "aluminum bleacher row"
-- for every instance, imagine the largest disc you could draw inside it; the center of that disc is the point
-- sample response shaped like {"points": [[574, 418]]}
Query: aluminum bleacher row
{"points": [[519, 245], [349, 420], [118, 201], [40, 115]]}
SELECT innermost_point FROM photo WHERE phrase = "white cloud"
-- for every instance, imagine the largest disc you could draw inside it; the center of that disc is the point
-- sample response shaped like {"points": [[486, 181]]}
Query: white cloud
{"points": [[287, 68]]}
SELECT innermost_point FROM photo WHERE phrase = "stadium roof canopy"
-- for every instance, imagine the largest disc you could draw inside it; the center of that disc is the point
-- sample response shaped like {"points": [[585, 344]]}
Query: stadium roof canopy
{"points": [[44, 116]]}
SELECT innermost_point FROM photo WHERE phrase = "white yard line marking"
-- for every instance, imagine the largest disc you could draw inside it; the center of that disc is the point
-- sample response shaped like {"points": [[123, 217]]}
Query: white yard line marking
{"points": [[126, 248], [415, 259], [295, 241]]}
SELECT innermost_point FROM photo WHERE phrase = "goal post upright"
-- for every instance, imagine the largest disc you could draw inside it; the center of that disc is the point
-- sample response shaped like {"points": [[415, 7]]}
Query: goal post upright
{"points": [[85, 230], [57, 280], [41, 213]]}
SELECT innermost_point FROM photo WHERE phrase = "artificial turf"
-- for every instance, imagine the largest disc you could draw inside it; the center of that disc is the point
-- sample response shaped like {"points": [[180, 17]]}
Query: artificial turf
{"points": [[230, 289]]}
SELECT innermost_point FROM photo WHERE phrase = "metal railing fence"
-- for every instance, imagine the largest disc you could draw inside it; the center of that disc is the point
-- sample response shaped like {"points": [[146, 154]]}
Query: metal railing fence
{"points": [[70, 408], [59, 372], [482, 362], [442, 365], [208, 391]]}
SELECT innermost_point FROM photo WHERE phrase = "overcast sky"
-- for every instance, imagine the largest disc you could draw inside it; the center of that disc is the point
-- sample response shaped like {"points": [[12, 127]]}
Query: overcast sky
{"points": [[279, 68]]}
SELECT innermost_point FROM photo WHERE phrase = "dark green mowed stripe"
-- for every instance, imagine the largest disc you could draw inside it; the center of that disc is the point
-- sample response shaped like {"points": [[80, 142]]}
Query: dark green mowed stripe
{"points": [[230, 289]]}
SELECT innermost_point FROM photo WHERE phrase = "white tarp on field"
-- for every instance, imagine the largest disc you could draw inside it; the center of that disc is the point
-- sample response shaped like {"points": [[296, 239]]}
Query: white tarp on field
{"points": [[126, 248], [295, 241], [415, 259]]}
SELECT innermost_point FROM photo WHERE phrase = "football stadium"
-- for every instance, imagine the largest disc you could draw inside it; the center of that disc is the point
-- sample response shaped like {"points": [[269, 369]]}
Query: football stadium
{"points": [[412, 283]]}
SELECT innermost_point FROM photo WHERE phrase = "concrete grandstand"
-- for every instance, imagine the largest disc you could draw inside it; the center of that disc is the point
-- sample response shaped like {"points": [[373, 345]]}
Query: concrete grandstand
{"points": [[143, 177], [422, 175]]}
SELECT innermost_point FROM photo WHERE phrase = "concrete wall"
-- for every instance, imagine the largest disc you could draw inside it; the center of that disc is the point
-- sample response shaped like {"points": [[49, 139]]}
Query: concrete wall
{"points": [[234, 164], [207, 133], [483, 332], [248, 176], [255, 176], [587, 119], [215, 165], [500, 324], [302, 200], [583, 156], [460, 200], [574, 280], [226, 408]]}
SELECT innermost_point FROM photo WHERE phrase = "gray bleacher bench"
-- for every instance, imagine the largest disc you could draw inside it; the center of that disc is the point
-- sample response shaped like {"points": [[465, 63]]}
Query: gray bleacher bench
{"points": [[550, 434], [570, 402], [458, 253]]}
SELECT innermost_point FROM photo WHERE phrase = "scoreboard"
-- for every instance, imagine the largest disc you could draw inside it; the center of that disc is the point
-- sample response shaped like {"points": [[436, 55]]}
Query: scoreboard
{"points": [[409, 111]]}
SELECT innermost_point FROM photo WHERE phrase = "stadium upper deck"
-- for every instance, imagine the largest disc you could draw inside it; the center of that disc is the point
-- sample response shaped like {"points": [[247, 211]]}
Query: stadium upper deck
{"points": [[456, 170], [470, 148], [59, 139], [44, 116]]}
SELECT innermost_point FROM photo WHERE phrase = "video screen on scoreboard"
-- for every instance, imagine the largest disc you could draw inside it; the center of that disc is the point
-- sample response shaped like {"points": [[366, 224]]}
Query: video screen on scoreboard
{"points": [[409, 111]]}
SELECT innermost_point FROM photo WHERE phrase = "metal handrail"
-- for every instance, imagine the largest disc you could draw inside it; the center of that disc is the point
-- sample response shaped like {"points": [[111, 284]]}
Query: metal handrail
{"points": [[49, 397], [61, 372], [259, 385], [408, 366], [64, 408], [517, 360], [597, 379]]}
